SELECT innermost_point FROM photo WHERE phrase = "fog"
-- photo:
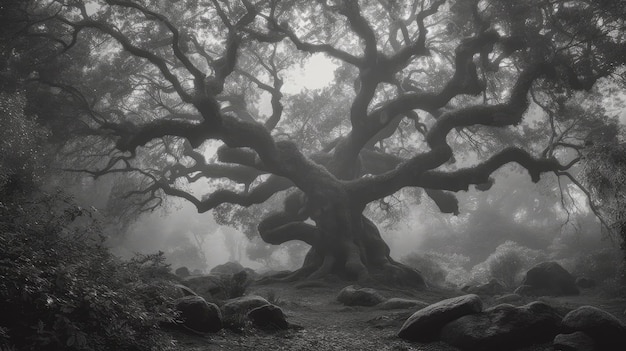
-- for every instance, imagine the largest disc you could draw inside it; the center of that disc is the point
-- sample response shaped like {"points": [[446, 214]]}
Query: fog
{"points": [[514, 215]]}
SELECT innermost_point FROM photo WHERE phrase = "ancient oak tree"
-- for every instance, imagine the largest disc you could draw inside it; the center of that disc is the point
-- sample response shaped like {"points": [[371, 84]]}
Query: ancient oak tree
{"points": [[428, 94]]}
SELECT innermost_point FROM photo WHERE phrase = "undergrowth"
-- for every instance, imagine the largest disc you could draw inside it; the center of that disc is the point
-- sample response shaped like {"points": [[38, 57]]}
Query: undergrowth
{"points": [[61, 288]]}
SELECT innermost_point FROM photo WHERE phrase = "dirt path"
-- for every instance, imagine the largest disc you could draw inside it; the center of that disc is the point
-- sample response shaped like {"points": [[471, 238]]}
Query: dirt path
{"points": [[325, 324]]}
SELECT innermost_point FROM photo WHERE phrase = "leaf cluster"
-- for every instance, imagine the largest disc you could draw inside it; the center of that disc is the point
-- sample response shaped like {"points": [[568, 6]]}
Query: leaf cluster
{"points": [[604, 172], [21, 143]]}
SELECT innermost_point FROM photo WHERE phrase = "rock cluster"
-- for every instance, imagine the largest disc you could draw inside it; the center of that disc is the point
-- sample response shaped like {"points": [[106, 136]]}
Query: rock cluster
{"points": [[462, 322], [200, 316]]}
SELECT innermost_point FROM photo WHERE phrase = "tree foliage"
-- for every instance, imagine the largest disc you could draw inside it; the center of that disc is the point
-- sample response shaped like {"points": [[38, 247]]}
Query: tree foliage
{"points": [[429, 94], [21, 145]]}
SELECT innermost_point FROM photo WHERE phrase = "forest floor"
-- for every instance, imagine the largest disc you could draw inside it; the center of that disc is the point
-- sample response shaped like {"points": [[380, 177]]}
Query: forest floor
{"points": [[322, 323]]}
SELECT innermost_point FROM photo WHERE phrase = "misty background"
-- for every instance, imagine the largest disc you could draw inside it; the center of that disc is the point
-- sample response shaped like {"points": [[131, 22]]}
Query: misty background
{"points": [[515, 220]]}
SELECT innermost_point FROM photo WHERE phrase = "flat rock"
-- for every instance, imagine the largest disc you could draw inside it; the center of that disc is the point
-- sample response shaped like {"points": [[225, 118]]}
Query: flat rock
{"points": [[353, 295], [503, 327], [577, 341], [425, 324], [604, 328]]}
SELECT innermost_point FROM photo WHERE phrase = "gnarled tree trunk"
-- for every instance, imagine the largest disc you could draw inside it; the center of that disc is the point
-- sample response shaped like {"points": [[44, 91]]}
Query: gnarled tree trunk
{"points": [[343, 243]]}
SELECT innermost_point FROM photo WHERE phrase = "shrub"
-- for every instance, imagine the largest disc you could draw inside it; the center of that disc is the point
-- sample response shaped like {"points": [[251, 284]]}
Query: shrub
{"points": [[440, 269], [601, 265], [507, 263], [22, 158], [61, 289]]}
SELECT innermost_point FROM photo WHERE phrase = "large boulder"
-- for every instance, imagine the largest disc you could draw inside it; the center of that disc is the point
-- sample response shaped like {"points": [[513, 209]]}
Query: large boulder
{"points": [[425, 324], [503, 327], [548, 279], [577, 341], [605, 329], [198, 315], [268, 316], [355, 296]]}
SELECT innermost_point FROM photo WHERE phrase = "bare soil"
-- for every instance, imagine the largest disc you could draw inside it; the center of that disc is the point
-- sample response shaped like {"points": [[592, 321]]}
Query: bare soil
{"points": [[321, 323]]}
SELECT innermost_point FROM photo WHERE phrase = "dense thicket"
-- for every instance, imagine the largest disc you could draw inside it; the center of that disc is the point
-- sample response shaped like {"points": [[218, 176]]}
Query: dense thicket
{"points": [[61, 289]]}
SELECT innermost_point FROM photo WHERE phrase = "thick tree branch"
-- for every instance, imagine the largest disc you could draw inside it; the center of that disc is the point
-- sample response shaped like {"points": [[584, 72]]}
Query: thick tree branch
{"points": [[360, 26], [418, 47], [366, 126], [281, 227], [372, 188], [257, 195]]}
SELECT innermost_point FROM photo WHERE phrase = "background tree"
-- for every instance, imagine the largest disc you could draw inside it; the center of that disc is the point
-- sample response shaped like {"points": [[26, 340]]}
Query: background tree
{"points": [[433, 95]]}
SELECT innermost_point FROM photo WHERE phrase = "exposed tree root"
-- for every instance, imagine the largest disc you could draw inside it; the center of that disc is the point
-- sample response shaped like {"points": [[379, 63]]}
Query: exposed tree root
{"points": [[360, 255]]}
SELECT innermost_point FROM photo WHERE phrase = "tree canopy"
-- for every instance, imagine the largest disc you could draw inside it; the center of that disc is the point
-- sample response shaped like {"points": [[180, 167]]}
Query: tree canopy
{"points": [[188, 98]]}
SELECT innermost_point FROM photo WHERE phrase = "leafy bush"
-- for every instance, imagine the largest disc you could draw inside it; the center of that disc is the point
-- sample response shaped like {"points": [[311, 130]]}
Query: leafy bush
{"points": [[440, 269], [21, 138], [61, 289], [601, 265], [428, 267], [604, 173], [507, 263]]}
